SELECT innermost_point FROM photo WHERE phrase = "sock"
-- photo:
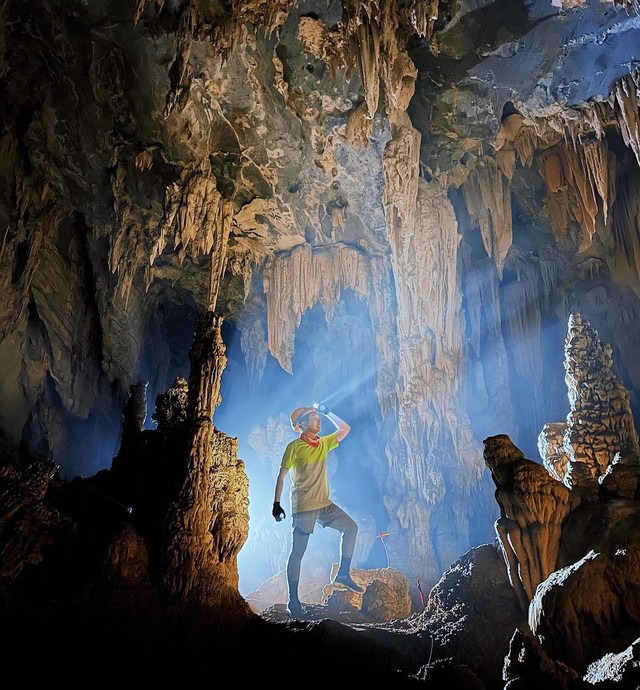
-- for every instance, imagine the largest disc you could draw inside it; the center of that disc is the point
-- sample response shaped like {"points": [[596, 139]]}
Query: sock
{"points": [[293, 591], [345, 565]]}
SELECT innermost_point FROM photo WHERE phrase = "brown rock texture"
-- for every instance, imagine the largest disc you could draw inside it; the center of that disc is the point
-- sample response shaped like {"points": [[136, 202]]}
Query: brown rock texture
{"points": [[533, 507], [589, 608], [600, 422]]}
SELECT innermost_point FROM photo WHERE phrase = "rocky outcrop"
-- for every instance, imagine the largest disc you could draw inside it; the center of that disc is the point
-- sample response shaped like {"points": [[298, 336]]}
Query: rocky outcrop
{"points": [[533, 507], [600, 423], [582, 613], [471, 612], [166, 521]]}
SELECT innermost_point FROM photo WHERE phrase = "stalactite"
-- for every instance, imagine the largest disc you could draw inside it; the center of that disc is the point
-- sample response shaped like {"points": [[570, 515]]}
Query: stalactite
{"points": [[424, 241], [376, 32], [383, 309], [399, 77], [127, 247], [625, 261], [575, 162], [255, 348], [225, 28], [297, 281], [487, 194], [400, 164], [196, 221], [142, 5], [579, 178], [363, 30], [196, 217], [632, 6], [521, 299], [624, 101], [241, 263], [577, 175]]}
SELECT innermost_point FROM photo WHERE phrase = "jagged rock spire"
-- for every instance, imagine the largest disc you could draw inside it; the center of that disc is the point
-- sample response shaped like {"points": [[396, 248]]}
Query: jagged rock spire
{"points": [[600, 422]]}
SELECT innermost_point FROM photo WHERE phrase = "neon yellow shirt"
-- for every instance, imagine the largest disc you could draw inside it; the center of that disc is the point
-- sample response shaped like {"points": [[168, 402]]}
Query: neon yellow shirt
{"points": [[308, 465]]}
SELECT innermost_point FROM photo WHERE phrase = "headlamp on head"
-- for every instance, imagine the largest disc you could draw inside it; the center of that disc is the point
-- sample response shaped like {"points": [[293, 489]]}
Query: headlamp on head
{"points": [[298, 416]]}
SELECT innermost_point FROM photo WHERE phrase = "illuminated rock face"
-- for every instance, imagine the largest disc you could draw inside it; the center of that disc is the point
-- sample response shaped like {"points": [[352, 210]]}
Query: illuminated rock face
{"points": [[600, 423], [468, 180], [596, 450], [569, 528], [533, 507]]}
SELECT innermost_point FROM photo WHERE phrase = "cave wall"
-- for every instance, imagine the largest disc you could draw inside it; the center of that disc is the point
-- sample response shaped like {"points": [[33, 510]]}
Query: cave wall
{"points": [[465, 173]]}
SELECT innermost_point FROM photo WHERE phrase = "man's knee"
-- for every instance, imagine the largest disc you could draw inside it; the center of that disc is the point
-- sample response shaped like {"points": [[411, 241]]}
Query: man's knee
{"points": [[346, 525]]}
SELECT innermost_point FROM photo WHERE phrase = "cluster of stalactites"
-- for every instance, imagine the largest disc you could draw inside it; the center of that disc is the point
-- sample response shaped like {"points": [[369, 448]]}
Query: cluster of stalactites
{"points": [[373, 36], [226, 28], [574, 161], [487, 195], [632, 6], [296, 282], [580, 182], [196, 221], [376, 34], [600, 422]]}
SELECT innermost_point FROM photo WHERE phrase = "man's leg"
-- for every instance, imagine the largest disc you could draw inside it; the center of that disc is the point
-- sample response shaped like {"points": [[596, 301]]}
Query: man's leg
{"points": [[299, 543], [337, 519], [303, 524]]}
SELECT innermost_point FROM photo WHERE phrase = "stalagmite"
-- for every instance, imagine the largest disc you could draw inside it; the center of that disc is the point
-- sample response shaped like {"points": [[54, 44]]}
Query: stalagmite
{"points": [[207, 523], [600, 422], [533, 507]]}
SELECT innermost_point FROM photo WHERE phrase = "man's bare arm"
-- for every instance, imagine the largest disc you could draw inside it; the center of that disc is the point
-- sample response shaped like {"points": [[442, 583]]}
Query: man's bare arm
{"points": [[280, 483], [342, 428]]}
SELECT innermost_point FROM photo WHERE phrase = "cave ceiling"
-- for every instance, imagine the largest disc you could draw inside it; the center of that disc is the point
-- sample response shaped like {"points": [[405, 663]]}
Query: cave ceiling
{"points": [[467, 170]]}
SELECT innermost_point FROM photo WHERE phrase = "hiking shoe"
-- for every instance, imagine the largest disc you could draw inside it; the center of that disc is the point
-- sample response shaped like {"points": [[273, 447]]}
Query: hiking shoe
{"points": [[294, 608], [345, 581]]}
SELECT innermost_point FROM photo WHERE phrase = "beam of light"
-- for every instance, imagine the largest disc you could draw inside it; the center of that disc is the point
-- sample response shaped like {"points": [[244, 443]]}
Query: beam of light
{"points": [[350, 386]]}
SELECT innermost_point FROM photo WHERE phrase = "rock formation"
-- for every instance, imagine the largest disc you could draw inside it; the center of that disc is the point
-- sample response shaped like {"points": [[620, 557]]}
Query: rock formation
{"points": [[600, 423], [570, 546], [399, 204]]}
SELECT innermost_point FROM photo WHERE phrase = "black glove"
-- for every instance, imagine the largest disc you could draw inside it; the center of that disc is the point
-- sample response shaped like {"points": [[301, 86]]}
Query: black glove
{"points": [[322, 409], [277, 512]]}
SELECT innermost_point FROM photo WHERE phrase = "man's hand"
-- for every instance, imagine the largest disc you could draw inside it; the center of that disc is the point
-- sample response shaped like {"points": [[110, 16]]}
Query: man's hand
{"points": [[277, 512], [322, 408]]}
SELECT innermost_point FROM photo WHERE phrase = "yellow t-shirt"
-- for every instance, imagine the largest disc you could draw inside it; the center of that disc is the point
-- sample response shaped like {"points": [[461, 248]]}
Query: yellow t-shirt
{"points": [[308, 465]]}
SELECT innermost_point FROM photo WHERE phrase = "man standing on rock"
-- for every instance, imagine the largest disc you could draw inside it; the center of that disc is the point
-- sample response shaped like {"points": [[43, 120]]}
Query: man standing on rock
{"points": [[306, 457]]}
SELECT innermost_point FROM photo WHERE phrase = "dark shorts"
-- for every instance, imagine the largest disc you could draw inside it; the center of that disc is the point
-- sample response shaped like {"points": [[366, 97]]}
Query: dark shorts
{"points": [[331, 516]]}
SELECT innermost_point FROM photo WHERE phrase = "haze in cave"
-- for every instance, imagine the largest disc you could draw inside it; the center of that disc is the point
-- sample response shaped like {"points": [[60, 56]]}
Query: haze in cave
{"points": [[425, 215]]}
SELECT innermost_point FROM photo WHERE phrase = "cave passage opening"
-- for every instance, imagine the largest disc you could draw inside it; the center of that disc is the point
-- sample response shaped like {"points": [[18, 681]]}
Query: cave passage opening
{"points": [[334, 361]]}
